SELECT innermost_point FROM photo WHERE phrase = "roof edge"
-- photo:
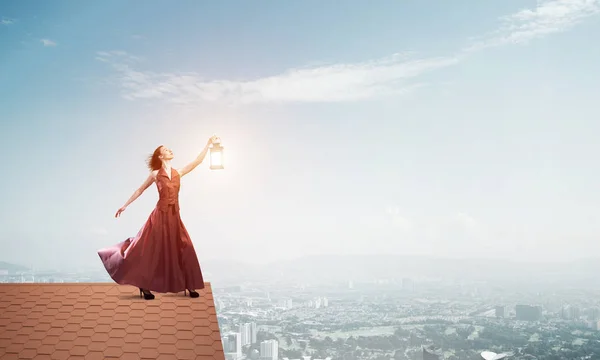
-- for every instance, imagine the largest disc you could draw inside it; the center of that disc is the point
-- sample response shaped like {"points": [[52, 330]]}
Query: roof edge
{"points": [[206, 284]]}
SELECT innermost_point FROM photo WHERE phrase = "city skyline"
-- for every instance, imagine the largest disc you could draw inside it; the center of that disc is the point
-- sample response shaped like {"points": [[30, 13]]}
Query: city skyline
{"points": [[383, 129]]}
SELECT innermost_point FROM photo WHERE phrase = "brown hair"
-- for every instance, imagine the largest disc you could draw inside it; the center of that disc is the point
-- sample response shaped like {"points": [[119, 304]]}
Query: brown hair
{"points": [[153, 161]]}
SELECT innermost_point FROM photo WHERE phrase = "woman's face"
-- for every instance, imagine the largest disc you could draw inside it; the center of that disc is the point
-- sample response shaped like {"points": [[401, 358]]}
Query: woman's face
{"points": [[166, 153]]}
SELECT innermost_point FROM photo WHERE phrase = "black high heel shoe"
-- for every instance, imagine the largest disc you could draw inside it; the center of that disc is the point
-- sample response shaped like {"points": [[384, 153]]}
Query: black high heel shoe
{"points": [[146, 294], [193, 294]]}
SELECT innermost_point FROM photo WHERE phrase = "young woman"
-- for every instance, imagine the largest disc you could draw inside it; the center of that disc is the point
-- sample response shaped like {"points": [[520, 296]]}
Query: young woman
{"points": [[161, 257]]}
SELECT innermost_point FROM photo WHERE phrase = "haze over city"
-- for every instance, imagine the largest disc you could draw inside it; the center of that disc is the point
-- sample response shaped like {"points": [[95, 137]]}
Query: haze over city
{"points": [[446, 129]]}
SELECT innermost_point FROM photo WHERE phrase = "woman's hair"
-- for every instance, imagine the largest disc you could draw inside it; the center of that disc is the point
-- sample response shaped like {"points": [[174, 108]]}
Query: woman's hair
{"points": [[153, 161]]}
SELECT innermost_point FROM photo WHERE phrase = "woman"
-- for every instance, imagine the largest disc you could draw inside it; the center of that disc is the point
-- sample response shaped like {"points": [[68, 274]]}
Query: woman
{"points": [[161, 257]]}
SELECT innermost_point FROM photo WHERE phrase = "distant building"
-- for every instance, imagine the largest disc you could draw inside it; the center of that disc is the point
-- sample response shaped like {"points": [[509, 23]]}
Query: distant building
{"points": [[576, 312], [225, 342], [245, 334], [431, 353], [500, 311], [286, 303], [593, 313], [254, 330], [317, 303], [248, 333], [232, 346], [528, 312], [269, 350], [565, 312], [570, 312], [490, 355]]}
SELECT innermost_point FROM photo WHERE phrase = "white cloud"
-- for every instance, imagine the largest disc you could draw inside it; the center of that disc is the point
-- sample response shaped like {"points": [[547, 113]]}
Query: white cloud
{"points": [[48, 42], [548, 17], [393, 75], [122, 56], [7, 21], [338, 82]]}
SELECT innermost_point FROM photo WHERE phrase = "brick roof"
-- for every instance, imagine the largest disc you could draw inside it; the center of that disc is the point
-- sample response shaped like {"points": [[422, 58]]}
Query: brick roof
{"points": [[102, 321]]}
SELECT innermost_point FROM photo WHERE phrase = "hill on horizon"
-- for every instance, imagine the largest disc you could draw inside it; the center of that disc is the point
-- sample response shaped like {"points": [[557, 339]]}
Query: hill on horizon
{"points": [[327, 268], [12, 267], [369, 267]]}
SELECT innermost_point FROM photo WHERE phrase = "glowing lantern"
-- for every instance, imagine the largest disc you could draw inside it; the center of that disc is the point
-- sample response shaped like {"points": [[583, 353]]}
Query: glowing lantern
{"points": [[216, 156]]}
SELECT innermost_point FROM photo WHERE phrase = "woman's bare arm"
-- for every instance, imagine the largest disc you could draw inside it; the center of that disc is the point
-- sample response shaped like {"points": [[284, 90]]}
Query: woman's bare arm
{"points": [[199, 159], [149, 180]]}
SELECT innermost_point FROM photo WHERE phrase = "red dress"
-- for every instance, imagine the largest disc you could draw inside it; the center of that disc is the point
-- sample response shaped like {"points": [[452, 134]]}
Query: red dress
{"points": [[161, 257]]}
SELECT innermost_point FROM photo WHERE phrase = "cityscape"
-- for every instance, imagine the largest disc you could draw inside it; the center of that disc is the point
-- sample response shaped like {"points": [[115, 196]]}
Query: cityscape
{"points": [[394, 317]]}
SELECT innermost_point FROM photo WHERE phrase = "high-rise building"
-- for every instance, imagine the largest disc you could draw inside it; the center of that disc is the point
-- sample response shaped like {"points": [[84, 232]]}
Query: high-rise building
{"points": [[593, 313], [576, 311], [317, 303], [565, 312], [225, 343], [528, 312], [232, 345], [248, 333], [500, 311], [286, 303], [269, 350], [254, 331]]}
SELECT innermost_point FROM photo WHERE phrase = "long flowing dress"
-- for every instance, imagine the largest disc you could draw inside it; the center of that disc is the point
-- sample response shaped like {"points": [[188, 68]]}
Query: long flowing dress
{"points": [[161, 257]]}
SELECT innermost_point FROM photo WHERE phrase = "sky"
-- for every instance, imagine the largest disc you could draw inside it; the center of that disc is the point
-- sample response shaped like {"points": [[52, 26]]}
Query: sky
{"points": [[442, 128]]}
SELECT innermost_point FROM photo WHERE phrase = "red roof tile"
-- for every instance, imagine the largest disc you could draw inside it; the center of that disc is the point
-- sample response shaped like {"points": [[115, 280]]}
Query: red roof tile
{"points": [[103, 321]]}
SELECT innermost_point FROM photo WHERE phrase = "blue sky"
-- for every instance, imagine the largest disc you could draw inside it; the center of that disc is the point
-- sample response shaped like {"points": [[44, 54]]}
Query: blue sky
{"points": [[444, 128]]}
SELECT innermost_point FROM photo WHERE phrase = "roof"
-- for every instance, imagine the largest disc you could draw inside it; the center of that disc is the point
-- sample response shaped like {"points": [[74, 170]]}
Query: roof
{"points": [[490, 355], [105, 320]]}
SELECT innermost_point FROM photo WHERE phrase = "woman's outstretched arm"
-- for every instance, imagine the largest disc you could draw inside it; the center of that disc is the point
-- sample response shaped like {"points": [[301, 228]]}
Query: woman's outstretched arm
{"points": [[199, 159], [149, 180]]}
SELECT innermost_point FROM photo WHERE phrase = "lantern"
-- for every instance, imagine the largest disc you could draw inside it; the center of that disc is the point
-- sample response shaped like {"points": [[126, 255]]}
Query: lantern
{"points": [[216, 156]]}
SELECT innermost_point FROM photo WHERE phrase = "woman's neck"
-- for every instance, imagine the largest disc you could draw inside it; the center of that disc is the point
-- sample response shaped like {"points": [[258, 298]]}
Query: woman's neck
{"points": [[166, 164]]}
